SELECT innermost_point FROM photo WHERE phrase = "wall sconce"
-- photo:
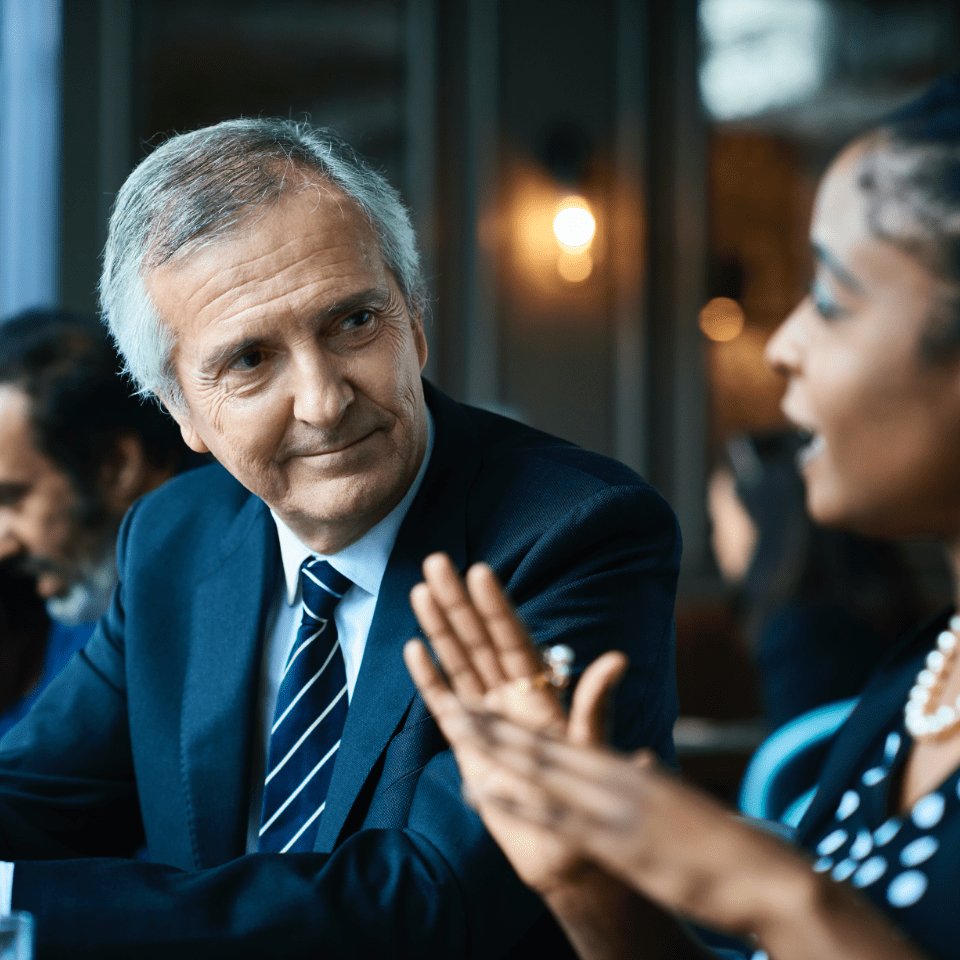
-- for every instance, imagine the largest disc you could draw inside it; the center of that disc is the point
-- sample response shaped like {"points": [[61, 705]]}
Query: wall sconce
{"points": [[553, 231], [574, 226], [565, 150]]}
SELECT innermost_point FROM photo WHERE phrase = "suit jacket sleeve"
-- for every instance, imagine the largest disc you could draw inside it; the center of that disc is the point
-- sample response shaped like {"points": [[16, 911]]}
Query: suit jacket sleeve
{"points": [[433, 885]]}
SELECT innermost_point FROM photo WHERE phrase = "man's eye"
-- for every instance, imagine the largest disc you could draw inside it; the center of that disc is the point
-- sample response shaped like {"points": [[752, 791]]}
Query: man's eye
{"points": [[248, 360], [356, 320], [11, 494]]}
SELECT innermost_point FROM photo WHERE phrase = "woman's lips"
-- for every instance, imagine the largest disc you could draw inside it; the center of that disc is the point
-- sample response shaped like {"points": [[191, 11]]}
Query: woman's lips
{"points": [[812, 448]]}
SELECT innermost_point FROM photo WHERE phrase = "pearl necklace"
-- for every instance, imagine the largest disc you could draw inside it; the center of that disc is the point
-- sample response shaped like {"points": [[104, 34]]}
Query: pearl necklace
{"points": [[933, 725]]}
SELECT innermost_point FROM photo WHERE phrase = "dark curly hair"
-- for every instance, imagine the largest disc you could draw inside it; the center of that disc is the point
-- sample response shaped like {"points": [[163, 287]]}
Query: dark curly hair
{"points": [[80, 404], [911, 175]]}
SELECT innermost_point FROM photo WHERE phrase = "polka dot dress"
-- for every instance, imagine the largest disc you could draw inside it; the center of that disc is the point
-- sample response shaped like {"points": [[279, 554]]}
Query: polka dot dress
{"points": [[909, 865]]}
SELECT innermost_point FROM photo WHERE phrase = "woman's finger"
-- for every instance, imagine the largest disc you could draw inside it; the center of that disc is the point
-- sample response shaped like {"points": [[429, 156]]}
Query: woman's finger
{"points": [[454, 658], [580, 775], [466, 623], [643, 759], [592, 697], [546, 793], [455, 723], [517, 654]]}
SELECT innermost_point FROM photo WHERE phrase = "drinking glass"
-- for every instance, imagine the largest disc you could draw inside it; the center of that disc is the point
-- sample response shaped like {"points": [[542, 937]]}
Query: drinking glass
{"points": [[16, 936]]}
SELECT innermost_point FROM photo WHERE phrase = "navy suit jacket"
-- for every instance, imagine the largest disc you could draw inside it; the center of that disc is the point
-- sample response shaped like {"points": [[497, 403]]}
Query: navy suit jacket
{"points": [[147, 734]]}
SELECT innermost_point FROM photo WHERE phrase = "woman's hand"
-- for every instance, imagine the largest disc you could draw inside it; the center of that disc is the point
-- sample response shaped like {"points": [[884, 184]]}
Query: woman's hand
{"points": [[673, 843], [491, 664], [584, 825], [677, 846]]}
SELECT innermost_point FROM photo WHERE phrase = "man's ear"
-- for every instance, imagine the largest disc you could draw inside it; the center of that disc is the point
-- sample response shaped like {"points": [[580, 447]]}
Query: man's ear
{"points": [[420, 339], [190, 436], [123, 476]]}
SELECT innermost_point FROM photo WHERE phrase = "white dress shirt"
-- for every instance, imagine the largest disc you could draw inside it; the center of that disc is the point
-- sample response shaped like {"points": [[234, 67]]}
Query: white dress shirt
{"points": [[365, 563]]}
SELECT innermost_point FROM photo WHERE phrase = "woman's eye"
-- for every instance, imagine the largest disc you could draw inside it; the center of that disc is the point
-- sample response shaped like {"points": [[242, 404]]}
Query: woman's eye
{"points": [[823, 303]]}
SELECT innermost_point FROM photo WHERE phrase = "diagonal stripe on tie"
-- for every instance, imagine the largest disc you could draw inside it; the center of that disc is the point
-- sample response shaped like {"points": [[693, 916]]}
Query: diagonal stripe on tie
{"points": [[308, 720], [313, 726], [293, 796], [303, 690], [304, 828], [323, 586], [307, 612], [298, 650]]}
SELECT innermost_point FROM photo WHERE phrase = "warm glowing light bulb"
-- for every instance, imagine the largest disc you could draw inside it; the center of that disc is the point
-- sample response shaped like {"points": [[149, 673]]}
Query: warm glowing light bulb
{"points": [[574, 267], [722, 319], [574, 225]]}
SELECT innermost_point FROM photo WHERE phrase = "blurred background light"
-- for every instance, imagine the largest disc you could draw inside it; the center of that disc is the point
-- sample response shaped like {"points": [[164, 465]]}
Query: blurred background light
{"points": [[722, 319], [761, 54], [574, 225], [574, 267]]}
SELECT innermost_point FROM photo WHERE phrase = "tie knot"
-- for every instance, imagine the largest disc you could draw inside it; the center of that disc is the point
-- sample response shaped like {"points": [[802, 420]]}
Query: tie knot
{"points": [[322, 587]]}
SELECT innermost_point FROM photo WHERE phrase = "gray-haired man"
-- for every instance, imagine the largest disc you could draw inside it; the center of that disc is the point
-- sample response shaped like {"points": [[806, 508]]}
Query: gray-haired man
{"points": [[265, 285]]}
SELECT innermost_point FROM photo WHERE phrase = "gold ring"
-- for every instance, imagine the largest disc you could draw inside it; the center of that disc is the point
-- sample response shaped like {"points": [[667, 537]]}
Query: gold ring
{"points": [[537, 682]]}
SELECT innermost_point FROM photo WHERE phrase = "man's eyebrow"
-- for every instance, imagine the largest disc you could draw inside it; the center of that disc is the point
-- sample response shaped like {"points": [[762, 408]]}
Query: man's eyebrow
{"points": [[371, 297], [843, 275], [376, 297]]}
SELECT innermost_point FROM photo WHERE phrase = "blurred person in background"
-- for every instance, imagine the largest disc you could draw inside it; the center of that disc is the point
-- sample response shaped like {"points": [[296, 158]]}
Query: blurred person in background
{"points": [[77, 448], [31, 649], [872, 360], [820, 608]]}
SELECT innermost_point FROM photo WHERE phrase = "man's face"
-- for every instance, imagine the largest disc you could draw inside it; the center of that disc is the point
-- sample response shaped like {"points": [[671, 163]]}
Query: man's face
{"points": [[41, 529], [300, 365]]}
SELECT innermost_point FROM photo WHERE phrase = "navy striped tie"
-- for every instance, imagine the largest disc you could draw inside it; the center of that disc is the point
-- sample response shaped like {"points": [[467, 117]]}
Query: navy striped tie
{"points": [[308, 721]]}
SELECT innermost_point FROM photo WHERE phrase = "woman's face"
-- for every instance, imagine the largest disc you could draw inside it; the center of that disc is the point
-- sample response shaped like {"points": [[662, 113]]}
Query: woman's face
{"points": [[884, 420]]}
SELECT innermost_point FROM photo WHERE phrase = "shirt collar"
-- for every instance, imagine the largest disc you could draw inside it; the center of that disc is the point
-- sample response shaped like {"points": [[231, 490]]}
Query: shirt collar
{"points": [[364, 562]]}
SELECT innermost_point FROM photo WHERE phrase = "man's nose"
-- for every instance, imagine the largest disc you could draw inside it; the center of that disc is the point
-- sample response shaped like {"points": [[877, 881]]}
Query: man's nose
{"points": [[10, 546], [321, 390]]}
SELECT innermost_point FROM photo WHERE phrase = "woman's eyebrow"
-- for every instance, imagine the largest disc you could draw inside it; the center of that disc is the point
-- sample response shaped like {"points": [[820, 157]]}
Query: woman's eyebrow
{"points": [[844, 276]]}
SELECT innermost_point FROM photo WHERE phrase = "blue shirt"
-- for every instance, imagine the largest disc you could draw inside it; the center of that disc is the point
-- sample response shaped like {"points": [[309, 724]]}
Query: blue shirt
{"points": [[62, 643]]}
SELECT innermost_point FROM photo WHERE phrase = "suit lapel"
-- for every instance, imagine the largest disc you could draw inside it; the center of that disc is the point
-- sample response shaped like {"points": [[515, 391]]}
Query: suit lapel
{"points": [[222, 685], [384, 690]]}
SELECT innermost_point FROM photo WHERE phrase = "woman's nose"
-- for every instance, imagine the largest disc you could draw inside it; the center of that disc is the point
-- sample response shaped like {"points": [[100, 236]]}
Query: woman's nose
{"points": [[784, 351]]}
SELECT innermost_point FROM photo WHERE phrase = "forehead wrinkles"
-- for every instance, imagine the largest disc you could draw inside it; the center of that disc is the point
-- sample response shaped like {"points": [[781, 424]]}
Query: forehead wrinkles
{"points": [[277, 259], [257, 283]]}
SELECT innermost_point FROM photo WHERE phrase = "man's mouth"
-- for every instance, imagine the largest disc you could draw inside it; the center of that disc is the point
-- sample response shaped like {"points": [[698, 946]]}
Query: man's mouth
{"points": [[52, 585], [35, 567], [52, 579], [330, 450], [813, 446]]}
